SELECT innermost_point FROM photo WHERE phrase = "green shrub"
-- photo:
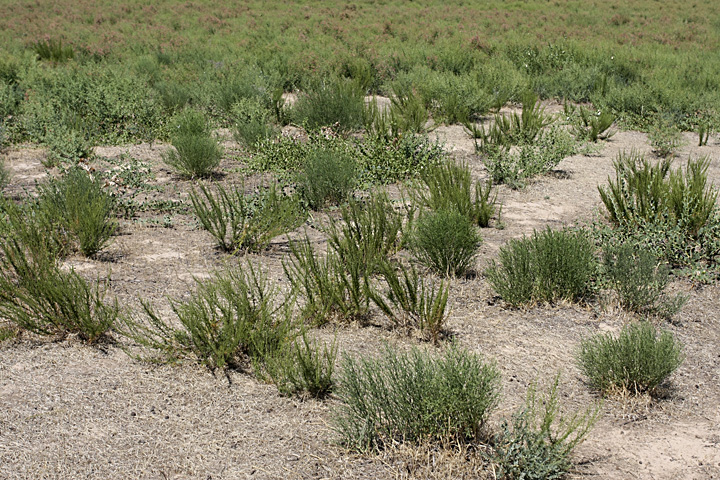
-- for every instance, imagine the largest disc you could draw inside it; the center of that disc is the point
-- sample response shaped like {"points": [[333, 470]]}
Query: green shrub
{"points": [[387, 160], [449, 186], [302, 368], [229, 319], [538, 442], [252, 122], [332, 103], [549, 266], [37, 296], [414, 396], [329, 177], [643, 195], [636, 361], [195, 153], [246, 222], [4, 175], [78, 205], [412, 301], [66, 145], [53, 50], [370, 231], [173, 96], [515, 129], [446, 242], [587, 125], [515, 167], [332, 288], [639, 280]]}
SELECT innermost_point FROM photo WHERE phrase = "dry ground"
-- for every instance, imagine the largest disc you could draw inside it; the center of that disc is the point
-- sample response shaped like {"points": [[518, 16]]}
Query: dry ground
{"points": [[70, 411]]}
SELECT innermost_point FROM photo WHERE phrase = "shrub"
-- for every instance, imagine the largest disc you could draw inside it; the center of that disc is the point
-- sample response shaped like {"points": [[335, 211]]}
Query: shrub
{"points": [[587, 125], [246, 222], [549, 266], [53, 50], [230, 317], [370, 230], [645, 199], [4, 175], [37, 296], [446, 242], [515, 129], [515, 167], [331, 287], [173, 96], [329, 177], [336, 102], [412, 301], [77, 204], [66, 144], [449, 186], [538, 442], [414, 396], [387, 160], [195, 153], [639, 280], [302, 368], [252, 122], [636, 361]]}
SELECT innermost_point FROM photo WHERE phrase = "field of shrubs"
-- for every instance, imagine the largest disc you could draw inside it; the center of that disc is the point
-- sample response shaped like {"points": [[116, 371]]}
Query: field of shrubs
{"points": [[359, 240]]}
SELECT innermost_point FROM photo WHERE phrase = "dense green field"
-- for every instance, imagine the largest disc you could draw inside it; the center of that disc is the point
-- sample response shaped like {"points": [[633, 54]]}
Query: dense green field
{"points": [[115, 71]]}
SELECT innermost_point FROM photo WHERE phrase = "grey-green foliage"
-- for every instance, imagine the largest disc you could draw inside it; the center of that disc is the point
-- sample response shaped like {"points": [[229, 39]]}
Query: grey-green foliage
{"points": [[413, 301], [66, 143], [303, 368], [196, 152], [78, 206], [538, 442], [336, 103], [405, 115], [445, 241], [449, 186], [253, 122], [639, 280], [229, 319], [637, 360], [549, 266], [665, 139], [413, 396], [515, 166], [241, 221], [36, 294], [329, 177], [514, 129]]}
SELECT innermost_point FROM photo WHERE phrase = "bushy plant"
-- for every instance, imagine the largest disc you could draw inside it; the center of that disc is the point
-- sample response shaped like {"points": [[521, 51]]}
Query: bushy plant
{"points": [[331, 288], [336, 102], [370, 231], [4, 175], [303, 368], [252, 122], [412, 301], [539, 440], [445, 241], [448, 186], [37, 295], [639, 280], [637, 360], [79, 206], [515, 129], [66, 144], [645, 198], [195, 152], [229, 319], [587, 125], [387, 160], [551, 265], [241, 221], [53, 50], [515, 167], [414, 396], [173, 96], [329, 177]]}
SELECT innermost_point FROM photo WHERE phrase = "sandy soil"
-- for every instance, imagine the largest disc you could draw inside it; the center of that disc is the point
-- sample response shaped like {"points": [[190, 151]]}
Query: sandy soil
{"points": [[70, 411]]}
